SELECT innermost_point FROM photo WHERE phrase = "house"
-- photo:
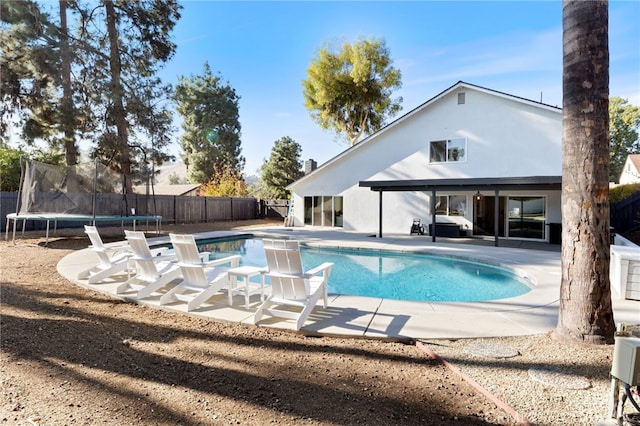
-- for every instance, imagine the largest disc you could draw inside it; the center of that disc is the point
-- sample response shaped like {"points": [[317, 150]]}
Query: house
{"points": [[631, 170], [474, 161]]}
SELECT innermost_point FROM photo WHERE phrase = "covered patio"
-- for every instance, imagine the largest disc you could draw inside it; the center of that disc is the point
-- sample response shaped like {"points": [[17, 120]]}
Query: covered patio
{"points": [[481, 185]]}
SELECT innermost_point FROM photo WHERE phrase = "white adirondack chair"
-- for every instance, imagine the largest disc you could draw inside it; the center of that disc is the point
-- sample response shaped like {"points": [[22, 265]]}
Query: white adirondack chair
{"points": [[112, 260], [154, 270], [201, 279], [294, 292]]}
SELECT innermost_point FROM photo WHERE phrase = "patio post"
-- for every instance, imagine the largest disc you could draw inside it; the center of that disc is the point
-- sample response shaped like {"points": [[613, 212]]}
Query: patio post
{"points": [[433, 215], [496, 216], [380, 214]]}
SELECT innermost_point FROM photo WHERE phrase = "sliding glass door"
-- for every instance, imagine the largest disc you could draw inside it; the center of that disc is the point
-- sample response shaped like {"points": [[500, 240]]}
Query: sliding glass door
{"points": [[527, 217]]}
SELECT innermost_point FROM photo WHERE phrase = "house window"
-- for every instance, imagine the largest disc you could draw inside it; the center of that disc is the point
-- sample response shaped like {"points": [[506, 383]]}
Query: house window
{"points": [[527, 217], [451, 205], [323, 211], [449, 150]]}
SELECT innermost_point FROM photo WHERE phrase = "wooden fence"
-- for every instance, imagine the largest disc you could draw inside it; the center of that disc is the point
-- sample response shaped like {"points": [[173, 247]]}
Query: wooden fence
{"points": [[625, 214], [173, 209]]}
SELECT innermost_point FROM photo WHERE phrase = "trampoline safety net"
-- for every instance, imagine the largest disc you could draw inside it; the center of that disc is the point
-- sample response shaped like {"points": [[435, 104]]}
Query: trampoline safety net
{"points": [[84, 189]]}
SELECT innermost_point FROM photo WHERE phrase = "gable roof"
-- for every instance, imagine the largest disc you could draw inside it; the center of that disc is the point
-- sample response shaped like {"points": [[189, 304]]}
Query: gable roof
{"points": [[635, 160], [460, 84]]}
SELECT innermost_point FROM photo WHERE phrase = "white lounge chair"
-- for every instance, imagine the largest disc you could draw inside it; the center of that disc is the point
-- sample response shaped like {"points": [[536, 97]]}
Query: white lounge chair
{"points": [[294, 292], [201, 279], [154, 269], [112, 260]]}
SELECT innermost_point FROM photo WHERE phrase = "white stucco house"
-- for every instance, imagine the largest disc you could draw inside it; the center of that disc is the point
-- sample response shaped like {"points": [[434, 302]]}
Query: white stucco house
{"points": [[631, 170], [484, 162]]}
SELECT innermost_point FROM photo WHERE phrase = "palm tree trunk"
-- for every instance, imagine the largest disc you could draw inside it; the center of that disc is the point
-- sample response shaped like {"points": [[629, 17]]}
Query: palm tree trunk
{"points": [[586, 313]]}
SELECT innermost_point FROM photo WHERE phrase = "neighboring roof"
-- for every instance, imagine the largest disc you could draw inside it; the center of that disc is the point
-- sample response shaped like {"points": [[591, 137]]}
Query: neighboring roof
{"points": [[527, 182], [458, 85], [166, 189], [635, 159]]}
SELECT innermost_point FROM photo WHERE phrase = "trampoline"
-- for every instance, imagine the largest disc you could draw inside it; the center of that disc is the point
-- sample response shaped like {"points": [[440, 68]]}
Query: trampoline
{"points": [[61, 217], [86, 192]]}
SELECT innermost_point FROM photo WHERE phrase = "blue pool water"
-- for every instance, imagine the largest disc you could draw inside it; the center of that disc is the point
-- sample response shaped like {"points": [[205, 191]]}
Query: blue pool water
{"points": [[389, 275]]}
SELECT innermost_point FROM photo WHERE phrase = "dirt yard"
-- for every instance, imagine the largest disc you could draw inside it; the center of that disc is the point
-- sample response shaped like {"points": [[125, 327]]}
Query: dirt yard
{"points": [[75, 357], [71, 356]]}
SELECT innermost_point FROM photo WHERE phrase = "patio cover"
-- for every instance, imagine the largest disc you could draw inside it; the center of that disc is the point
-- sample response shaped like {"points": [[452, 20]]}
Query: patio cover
{"points": [[523, 183]]}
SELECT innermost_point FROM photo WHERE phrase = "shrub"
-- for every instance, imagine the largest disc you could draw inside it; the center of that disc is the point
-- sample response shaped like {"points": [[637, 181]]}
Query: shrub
{"points": [[621, 192]]}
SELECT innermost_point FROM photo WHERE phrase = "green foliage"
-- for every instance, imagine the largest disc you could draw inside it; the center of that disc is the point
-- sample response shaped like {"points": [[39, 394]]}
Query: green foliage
{"points": [[227, 183], [211, 139], [30, 64], [620, 192], [125, 44], [10, 169], [349, 92], [624, 121], [64, 82], [282, 168], [174, 179]]}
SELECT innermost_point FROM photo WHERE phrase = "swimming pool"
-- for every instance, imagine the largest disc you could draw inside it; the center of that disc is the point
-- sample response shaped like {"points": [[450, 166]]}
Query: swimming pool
{"points": [[390, 275]]}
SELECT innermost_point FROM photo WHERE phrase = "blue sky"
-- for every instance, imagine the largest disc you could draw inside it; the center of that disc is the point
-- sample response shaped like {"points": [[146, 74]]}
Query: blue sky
{"points": [[263, 49]]}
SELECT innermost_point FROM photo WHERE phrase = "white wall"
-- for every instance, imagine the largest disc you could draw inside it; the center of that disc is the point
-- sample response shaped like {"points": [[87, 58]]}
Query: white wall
{"points": [[505, 138], [629, 173]]}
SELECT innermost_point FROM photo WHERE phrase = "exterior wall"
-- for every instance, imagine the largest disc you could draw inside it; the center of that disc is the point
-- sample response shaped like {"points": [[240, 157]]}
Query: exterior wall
{"points": [[505, 138], [629, 173]]}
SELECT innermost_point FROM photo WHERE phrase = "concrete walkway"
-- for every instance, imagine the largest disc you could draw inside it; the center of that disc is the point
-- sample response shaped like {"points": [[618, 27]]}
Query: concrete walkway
{"points": [[535, 312]]}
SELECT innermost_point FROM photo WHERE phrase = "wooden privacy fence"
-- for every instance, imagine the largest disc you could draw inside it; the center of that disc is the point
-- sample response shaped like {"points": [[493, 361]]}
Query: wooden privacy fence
{"points": [[625, 214], [275, 209], [174, 209]]}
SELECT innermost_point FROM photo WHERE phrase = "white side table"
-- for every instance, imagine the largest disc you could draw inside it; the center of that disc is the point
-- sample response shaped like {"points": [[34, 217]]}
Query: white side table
{"points": [[249, 288]]}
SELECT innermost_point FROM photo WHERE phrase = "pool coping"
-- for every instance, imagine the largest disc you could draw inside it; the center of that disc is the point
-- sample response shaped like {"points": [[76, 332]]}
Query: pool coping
{"points": [[535, 312]]}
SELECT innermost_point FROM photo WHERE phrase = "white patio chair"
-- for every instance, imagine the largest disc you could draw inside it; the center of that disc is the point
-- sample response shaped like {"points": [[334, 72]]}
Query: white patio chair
{"points": [[201, 279], [294, 292], [154, 269], [112, 260]]}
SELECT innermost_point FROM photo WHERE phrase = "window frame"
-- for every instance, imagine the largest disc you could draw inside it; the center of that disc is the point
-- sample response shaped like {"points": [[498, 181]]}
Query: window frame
{"points": [[463, 199], [438, 155]]}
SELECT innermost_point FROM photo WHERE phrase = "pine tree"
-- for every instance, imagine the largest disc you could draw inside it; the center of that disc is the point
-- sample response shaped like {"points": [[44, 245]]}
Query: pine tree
{"points": [[211, 139], [282, 168]]}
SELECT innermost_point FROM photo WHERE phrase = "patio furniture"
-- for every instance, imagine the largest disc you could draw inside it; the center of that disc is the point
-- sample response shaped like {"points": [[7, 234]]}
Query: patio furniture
{"points": [[294, 292], [112, 260], [246, 287], [153, 271], [201, 279]]}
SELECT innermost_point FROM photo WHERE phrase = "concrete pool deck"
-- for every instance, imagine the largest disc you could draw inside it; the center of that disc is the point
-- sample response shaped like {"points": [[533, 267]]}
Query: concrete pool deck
{"points": [[535, 312]]}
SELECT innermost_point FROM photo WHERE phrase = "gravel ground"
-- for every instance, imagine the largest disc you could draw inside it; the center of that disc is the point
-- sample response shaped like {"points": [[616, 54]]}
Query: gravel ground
{"points": [[72, 356], [552, 401]]}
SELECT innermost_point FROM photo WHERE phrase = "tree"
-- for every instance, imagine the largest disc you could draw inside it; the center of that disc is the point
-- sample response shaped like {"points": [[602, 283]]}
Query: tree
{"points": [[282, 168], [226, 184], [624, 120], [10, 168], [586, 313], [36, 63], [211, 139], [91, 80], [350, 91], [126, 43], [174, 179]]}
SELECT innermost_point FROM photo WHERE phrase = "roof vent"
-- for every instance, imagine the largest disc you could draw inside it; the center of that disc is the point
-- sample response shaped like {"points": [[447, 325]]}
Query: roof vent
{"points": [[461, 98]]}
